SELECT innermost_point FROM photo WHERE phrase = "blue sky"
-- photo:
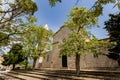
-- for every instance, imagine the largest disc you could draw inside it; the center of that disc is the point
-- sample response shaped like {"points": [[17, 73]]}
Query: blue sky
{"points": [[56, 16]]}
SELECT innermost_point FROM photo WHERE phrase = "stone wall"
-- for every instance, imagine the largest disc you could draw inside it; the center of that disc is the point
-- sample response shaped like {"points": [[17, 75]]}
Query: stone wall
{"points": [[102, 61], [47, 61], [61, 35]]}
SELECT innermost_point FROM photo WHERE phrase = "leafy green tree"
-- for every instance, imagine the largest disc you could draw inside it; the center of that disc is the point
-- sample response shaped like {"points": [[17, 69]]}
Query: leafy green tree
{"points": [[15, 9], [36, 39], [15, 56], [113, 28], [11, 17], [25, 38], [79, 42], [11, 14]]}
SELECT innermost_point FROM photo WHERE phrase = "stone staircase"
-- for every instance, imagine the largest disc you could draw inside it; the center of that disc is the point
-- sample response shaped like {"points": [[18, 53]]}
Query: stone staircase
{"points": [[45, 74]]}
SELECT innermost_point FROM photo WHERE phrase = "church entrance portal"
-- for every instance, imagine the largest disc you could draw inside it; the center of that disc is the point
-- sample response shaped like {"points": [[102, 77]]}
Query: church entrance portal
{"points": [[64, 61]]}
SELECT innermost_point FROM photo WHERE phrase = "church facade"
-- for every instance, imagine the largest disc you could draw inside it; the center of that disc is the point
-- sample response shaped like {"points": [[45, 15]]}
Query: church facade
{"points": [[87, 61]]}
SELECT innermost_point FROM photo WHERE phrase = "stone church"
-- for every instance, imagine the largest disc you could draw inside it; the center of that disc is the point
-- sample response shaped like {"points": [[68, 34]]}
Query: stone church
{"points": [[87, 61]]}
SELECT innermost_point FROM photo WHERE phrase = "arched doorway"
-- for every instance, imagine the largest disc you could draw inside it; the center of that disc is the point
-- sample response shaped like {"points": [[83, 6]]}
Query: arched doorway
{"points": [[64, 61]]}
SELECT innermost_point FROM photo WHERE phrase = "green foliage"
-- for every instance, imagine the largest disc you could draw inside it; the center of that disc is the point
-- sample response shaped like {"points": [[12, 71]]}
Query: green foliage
{"points": [[79, 42], [32, 19], [79, 20], [81, 17], [7, 59], [15, 56], [28, 6], [113, 28], [11, 26], [98, 6], [75, 44], [99, 47], [22, 64], [3, 39], [17, 8], [53, 2], [118, 5], [38, 39]]}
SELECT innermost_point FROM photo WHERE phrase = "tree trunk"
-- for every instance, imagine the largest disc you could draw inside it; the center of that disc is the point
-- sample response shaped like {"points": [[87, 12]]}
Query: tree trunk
{"points": [[13, 66], [34, 63], [26, 63], [77, 64]]}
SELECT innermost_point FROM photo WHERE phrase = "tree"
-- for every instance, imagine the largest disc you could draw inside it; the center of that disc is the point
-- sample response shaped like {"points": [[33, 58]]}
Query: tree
{"points": [[26, 39], [36, 39], [15, 56], [15, 9], [97, 5], [11, 14], [79, 42], [75, 45], [113, 28]]}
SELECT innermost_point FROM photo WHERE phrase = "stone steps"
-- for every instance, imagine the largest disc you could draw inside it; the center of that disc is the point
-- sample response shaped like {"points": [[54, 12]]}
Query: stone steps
{"points": [[11, 77], [62, 75], [50, 76], [99, 74], [42, 76], [6, 77], [24, 76], [92, 74]]}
